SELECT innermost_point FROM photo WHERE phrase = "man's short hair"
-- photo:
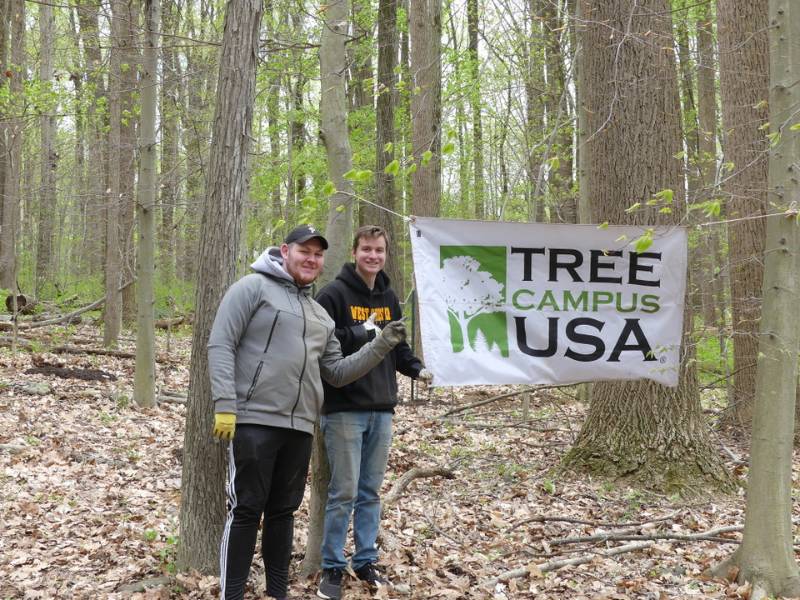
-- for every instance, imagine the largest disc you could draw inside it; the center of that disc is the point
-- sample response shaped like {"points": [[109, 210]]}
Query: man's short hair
{"points": [[370, 231]]}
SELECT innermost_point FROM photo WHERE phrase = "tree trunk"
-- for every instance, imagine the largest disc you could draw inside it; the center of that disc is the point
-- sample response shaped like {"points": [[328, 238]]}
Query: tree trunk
{"points": [[766, 556], [425, 29], [744, 78], [476, 105], [640, 430], [112, 313], [202, 502], [385, 192], [199, 89], [144, 390], [4, 31], [170, 173], [78, 174], [14, 132], [130, 58], [94, 248], [49, 158], [334, 132], [425, 39]]}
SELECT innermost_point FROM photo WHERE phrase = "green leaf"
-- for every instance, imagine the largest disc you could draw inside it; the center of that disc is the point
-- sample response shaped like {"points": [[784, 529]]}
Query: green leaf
{"points": [[448, 148], [795, 127], [603, 225], [666, 210], [340, 208], [679, 155], [554, 163], [426, 157], [388, 147], [393, 168], [328, 189], [412, 168], [666, 195], [363, 176], [621, 238], [644, 241], [633, 207], [352, 174]]}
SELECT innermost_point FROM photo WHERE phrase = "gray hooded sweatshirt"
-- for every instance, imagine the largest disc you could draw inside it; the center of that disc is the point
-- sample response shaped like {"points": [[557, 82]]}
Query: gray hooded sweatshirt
{"points": [[270, 347]]}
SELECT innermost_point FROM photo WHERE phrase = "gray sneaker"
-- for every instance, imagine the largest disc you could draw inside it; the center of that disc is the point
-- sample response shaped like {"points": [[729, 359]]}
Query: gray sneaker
{"points": [[330, 585]]}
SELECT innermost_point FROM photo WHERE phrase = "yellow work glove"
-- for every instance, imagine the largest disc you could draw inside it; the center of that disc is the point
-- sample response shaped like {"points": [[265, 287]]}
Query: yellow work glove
{"points": [[224, 425]]}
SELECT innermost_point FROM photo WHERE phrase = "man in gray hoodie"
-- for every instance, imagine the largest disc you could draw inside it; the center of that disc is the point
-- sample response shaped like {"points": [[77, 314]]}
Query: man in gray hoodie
{"points": [[270, 347]]}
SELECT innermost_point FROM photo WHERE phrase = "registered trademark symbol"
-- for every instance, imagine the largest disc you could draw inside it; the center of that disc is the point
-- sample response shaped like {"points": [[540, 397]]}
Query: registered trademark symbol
{"points": [[662, 360]]}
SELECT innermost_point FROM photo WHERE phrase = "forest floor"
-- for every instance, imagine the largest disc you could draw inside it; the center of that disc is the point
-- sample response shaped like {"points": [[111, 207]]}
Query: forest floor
{"points": [[90, 493]]}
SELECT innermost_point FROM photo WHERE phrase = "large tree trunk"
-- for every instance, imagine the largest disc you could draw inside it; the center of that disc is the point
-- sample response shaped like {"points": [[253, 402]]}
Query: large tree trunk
{"points": [[385, 193], [652, 434], [744, 77], [202, 502], [333, 126], [425, 40], [14, 130], [766, 556], [49, 158], [144, 389]]}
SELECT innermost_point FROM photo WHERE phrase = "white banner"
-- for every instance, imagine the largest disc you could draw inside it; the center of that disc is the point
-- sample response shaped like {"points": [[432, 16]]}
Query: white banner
{"points": [[536, 303]]}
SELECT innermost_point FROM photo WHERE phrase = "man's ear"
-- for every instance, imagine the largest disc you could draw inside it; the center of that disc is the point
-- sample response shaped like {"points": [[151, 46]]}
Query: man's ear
{"points": [[285, 251]]}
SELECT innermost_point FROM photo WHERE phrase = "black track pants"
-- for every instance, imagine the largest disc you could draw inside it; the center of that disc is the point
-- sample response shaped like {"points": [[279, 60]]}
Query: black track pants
{"points": [[267, 475]]}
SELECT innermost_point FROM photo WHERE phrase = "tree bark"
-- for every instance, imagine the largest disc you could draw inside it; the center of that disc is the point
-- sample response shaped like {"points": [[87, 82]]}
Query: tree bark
{"points": [[129, 67], [385, 192], [744, 78], [476, 105], [766, 556], [112, 315], [49, 158], [652, 434], [144, 390], [94, 233], [171, 170], [202, 501], [339, 230], [12, 196]]}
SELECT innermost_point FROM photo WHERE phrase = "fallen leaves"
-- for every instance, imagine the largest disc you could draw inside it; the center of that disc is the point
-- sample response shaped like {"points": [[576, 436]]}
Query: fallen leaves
{"points": [[90, 489]]}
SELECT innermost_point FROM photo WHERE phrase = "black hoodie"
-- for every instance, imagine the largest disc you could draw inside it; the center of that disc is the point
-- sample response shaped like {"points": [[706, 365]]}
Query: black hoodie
{"points": [[349, 302]]}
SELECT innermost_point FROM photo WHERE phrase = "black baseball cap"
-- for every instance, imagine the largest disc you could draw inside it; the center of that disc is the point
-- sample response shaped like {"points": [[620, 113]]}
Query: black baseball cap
{"points": [[302, 233]]}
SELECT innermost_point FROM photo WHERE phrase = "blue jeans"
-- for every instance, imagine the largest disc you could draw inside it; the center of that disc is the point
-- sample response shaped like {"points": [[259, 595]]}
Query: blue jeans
{"points": [[358, 449]]}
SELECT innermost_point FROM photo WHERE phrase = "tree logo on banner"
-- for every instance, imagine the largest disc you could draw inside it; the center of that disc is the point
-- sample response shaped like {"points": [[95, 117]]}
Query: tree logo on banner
{"points": [[474, 288]]}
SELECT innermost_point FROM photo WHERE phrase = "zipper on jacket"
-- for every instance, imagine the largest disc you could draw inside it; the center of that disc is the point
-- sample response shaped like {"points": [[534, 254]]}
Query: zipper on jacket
{"points": [[305, 358], [261, 362]]}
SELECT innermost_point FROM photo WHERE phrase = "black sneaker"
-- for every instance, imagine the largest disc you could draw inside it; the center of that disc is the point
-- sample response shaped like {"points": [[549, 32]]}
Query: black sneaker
{"points": [[369, 573], [330, 584]]}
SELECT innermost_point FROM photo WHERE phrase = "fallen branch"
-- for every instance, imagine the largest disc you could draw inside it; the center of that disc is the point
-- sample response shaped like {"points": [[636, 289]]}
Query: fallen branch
{"points": [[531, 390], [623, 536], [554, 565], [558, 519], [458, 409], [416, 473], [57, 320], [171, 400]]}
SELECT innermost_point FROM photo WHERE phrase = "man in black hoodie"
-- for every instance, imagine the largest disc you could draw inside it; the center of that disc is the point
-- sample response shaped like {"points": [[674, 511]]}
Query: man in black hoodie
{"points": [[357, 418]]}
